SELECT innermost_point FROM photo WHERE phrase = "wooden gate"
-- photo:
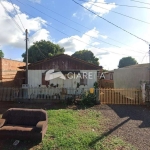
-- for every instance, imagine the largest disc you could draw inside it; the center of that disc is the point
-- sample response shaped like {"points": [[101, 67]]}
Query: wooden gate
{"points": [[120, 96]]}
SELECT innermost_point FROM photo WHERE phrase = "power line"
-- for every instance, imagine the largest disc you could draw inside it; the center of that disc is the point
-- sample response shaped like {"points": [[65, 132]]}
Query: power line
{"points": [[78, 39], [140, 2], [17, 14], [11, 17], [20, 27], [111, 23], [73, 28], [119, 5], [83, 25], [39, 50], [68, 25], [144, 56], [93, 4]]}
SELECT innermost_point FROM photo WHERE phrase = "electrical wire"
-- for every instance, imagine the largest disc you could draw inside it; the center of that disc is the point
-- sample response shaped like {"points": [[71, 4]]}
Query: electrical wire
{"points": [[39, 50], [140, 2], [84, 26], [11, 17], [17, 14], [20, 27], [111, 22], [93, 4], [144, 56], [78, 39], [74, 28], [119, 5], [68, 25]]}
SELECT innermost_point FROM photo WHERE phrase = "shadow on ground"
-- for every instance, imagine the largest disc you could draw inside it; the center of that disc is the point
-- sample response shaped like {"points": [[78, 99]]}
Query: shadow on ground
{"points": [[133, 112]]}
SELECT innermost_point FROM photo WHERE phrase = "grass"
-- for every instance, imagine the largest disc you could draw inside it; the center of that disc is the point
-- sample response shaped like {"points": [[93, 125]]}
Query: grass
{"points": [[75, 130], [78, 129]]}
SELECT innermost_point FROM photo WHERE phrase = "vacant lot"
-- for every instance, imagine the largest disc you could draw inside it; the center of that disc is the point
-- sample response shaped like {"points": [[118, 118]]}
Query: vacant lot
{"points": [[101, 127]]}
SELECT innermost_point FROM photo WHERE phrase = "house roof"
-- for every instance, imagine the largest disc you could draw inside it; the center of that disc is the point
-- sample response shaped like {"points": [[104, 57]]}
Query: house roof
{"points": [[60, 55], [136, 66]]}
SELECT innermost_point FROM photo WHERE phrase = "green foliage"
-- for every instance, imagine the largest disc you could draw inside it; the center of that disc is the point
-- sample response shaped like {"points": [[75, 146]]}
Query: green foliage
{"points": [[78, 84], [86, 55], [89, 99], [1, 54], [77, 130], [74, 130], [127, 61], [105, 70], [95, 85], [42, 49]]}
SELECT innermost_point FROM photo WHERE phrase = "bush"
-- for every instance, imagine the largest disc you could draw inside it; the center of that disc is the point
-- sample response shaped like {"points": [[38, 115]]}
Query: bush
{"points": [[89, 99]]}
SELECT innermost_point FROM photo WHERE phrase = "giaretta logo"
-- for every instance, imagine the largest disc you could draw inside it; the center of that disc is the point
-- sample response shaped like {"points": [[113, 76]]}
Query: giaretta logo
{"points": [[72, 75]]}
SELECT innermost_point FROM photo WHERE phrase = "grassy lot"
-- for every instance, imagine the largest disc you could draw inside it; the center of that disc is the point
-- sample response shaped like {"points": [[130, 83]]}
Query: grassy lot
{"points": [[74, 130]]}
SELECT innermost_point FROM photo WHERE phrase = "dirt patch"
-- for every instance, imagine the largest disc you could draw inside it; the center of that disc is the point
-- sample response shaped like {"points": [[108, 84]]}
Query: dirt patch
{"points": [[131, 123]]}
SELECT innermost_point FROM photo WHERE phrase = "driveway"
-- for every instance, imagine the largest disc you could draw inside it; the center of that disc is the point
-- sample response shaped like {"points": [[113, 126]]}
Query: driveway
{"points": [[131, 123]]}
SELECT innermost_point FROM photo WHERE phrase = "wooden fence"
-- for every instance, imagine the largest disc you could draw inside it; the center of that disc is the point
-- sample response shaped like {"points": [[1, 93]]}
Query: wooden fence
{"points": [[39, 93], [106, 83], [120, 96]]}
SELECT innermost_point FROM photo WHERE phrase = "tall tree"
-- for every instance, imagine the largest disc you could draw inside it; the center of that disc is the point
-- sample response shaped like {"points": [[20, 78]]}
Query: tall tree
{"points": [[127, 61], [42, 49], [87, 56], [1, 54]]}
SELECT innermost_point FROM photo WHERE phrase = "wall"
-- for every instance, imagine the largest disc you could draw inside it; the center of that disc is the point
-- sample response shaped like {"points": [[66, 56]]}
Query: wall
{"points": [[130, 77], [109, 75], [35, 79], [63, 62], [9, 72], [106, 83]]}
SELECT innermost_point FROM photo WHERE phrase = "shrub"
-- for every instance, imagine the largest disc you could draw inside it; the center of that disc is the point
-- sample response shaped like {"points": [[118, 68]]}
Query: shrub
{"points": [[89, 99]]}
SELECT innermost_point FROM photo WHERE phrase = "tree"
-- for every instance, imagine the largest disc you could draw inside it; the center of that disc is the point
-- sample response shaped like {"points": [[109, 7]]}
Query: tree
{"points": [[41, 50], [1, 54], [86, 55], [127, 61]]}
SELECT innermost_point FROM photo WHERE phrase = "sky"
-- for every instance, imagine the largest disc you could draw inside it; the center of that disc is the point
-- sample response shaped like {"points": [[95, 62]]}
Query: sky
{"points": [[75, 28]]}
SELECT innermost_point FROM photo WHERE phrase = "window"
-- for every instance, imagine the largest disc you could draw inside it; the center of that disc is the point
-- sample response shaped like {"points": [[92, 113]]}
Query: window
{"points": [[111, 76], [43, 80], [83, 80]]}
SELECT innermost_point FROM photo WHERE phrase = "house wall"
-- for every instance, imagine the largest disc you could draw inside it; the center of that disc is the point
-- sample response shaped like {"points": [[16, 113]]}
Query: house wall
{"points": [[35, 79], [130, 77]]}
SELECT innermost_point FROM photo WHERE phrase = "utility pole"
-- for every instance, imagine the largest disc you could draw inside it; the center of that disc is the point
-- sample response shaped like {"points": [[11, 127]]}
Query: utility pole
{"points": [[26, 56], [149, 63]]}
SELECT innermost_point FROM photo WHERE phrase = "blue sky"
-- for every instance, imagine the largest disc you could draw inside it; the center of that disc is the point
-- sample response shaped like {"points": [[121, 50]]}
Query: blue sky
{"points": [[87, 33]]}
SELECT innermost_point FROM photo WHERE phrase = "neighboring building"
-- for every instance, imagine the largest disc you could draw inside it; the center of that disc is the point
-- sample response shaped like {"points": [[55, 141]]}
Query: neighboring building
{"points": [[10, 74], [109, 75], [131, 76], [65, 64], [108, 81]]}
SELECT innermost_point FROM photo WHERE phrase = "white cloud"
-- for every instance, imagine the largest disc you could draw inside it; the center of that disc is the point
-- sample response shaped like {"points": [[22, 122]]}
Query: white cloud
{"points": [[11, 35], [76, 42], [104, 36], [19, 59], [41, 34], [95, 43], [74, 14], [36, 1], [108, 56], [94, 5]]}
